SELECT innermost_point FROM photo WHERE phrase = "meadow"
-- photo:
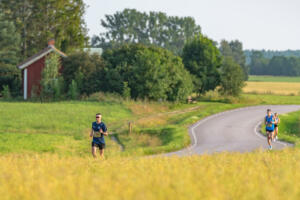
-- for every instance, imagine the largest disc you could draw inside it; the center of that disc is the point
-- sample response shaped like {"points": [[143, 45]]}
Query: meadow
{"points": [[273, 85], [45, 152], [256, 175], [289, 128], [63, 127], [274, 78]]}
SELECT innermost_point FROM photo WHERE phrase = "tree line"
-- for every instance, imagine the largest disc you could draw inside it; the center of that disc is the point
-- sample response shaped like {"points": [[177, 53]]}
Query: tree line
{"points": [[271, 53], [146, 55], [276, 65]]}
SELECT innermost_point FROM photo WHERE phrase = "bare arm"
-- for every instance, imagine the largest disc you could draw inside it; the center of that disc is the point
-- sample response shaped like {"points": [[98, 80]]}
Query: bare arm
{"points": [[104, 133]]}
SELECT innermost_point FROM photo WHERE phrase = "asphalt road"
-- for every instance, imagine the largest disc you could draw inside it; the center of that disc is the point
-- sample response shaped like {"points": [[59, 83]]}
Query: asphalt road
{"points": [[233, 131]]}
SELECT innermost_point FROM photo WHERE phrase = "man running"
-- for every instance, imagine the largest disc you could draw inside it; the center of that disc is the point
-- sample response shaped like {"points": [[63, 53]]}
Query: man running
{"points": [[277, 121], [269, 122], [98, 132]]}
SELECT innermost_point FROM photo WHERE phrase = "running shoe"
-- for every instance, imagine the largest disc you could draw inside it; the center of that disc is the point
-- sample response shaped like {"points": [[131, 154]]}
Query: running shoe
{"points": [[276, 138], [270, 147]]}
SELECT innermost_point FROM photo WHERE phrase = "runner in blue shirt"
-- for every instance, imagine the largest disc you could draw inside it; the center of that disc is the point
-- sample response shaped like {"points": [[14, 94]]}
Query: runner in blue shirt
{"points": [[98, 132], [269, 122]]}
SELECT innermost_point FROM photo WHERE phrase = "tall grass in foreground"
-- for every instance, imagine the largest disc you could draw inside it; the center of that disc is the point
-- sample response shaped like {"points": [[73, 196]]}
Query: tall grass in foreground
{"points": [[258, 175]]}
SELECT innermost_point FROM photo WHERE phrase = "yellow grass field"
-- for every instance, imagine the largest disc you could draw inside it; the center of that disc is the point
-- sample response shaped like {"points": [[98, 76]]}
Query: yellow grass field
{"points": [[258, 175], [283, 88]]}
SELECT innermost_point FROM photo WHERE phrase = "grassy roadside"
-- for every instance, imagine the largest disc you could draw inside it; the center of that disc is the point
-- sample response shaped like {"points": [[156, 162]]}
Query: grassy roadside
{"points": [[289, 128], [63, 127]]}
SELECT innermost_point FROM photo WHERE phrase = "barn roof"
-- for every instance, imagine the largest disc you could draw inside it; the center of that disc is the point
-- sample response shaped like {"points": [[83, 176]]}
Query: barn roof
{"points": [[44, 52]]}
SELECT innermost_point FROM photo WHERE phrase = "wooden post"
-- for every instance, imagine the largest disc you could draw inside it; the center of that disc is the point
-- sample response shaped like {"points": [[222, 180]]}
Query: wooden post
{"points": [[130, 127]]}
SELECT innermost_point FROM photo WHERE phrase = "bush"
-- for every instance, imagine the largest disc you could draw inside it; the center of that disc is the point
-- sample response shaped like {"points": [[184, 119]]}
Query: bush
{"points": [[86, 69], [202, 59], [6, 93], [232, 78], [151, 73], [73, 91], [126, 91], [51, 83], [106, 97]]}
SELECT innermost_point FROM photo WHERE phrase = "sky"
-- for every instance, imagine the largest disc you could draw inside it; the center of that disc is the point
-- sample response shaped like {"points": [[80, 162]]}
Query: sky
{"points": [[258, 24]]}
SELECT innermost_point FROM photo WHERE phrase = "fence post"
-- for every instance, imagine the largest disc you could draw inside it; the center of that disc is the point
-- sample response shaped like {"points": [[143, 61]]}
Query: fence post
{"points": [[130, 127]]}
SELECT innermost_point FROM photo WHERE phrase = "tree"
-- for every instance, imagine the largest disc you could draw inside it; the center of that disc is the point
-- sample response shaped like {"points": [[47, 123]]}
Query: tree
{"points": [[86, 69], [73, 91], [150, 72], [234, 49], [203, 60], [51, 84], [39, 21], [232, 80], [156, 28], [9, 49], [258, 64]]}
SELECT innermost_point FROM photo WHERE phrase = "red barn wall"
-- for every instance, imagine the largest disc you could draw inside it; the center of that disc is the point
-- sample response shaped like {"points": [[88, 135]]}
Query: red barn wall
{"points": [[34, 75]]}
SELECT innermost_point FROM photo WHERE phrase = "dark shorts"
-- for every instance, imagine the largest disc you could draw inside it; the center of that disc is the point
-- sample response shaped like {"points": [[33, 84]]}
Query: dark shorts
{"points": [[269, 133], [99, 145], [276, 125]]}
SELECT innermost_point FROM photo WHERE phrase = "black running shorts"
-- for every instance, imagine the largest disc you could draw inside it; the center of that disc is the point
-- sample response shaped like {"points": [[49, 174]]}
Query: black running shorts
{"points": [[99, 145]]}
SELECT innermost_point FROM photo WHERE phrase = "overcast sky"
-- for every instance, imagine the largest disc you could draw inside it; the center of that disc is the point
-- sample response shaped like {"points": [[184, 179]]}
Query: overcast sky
{"points": [[258, 24]]}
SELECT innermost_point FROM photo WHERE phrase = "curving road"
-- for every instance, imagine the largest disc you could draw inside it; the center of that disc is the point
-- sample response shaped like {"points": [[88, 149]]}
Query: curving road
{"points": [[236, 131]]}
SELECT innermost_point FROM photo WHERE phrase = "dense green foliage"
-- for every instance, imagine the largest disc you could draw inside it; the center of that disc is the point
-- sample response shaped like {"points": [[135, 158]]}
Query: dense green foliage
{"points": [[231, 78], [271, 53], [234, 50], [150, 72], [86, 69], [276, 66], [51, 83], [38, 21], [156, 28], [9, 48], [203, 60]]}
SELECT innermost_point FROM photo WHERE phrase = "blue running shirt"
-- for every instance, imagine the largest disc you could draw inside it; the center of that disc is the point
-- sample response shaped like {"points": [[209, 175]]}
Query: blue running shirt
{"points": [[98, 137], [270, 126]]}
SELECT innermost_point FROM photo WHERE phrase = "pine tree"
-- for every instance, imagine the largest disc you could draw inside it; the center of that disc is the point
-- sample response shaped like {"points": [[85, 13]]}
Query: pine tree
{"points": [[9, 48], [39, 21]]}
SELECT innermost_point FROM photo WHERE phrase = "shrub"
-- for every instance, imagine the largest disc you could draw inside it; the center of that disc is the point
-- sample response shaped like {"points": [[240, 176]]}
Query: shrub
{"points": [[232, 78], [86, 69], [50, 82], [6, 92], [202, 59], [126, 91], [73, 91], [151, 73]]}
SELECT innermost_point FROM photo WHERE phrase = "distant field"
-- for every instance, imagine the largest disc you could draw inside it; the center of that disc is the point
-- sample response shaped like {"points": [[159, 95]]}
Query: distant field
{"points": [[283, 88], [274, 79]]}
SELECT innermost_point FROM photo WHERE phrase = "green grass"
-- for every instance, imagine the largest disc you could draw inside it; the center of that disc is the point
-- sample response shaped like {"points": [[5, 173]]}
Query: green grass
{"points": [[63, 127], [289, 128], [258, 99], [274, 79]]}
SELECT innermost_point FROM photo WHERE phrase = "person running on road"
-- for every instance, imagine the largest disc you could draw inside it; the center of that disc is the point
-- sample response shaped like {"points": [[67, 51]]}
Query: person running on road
{"points": [[277, 121], [98, 132], [269, 122]]}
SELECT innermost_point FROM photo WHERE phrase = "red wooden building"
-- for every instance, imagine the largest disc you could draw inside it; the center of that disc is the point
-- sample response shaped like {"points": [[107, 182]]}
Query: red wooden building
{"points": [[32, 68]]}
